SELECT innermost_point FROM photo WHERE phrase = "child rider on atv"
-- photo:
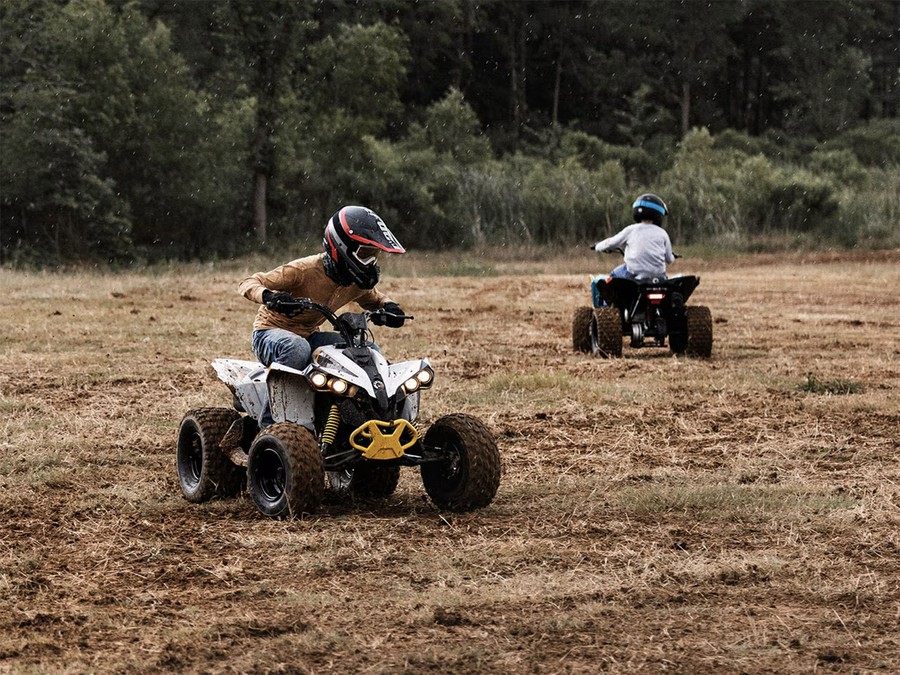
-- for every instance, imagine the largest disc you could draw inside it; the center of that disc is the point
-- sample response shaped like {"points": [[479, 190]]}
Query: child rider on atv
{"points": [[346, 272], [647, 246]]}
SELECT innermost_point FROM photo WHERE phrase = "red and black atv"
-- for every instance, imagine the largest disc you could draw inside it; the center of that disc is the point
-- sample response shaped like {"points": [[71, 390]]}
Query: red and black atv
{"points": [[648, 311]]}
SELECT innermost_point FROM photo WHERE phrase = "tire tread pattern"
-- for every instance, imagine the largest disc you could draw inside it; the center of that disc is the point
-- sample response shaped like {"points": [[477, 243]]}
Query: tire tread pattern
{"points": [[306, 485], [608, 323], [219, 477], [481, 464], [700, 331], [581, 329]]}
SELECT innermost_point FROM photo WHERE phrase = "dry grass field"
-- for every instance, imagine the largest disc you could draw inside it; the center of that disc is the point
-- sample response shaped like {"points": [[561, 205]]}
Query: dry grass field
{"points": [[656, 513]]}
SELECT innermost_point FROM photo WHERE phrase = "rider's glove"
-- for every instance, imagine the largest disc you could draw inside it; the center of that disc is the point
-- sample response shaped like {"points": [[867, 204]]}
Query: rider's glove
{"points": [[392, 317], [596, 247], [275, 300]]}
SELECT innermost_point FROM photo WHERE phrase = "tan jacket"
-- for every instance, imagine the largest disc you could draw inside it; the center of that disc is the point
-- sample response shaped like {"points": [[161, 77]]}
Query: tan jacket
{"points": [[304, 278]]}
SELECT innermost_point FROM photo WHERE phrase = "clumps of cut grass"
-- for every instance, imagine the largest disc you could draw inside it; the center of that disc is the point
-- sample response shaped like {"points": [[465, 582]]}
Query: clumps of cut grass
{"points": [[731, 502], [530, 382], [839, 387]]}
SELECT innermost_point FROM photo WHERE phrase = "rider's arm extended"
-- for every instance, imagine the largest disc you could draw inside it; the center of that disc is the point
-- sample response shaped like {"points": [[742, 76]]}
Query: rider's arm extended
{"points": [[253, 286], [670, 256], [616, 241]]}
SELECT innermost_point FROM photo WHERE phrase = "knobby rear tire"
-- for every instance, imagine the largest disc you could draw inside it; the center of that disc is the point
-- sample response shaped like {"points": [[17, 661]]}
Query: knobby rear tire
{"points": [[700, 331], [581, 329], [606, 332], [204, 471]]}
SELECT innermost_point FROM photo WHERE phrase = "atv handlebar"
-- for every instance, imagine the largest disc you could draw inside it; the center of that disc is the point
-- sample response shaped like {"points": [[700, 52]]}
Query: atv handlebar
{"points": [[298, 305], [621, 251], [347, 328]]}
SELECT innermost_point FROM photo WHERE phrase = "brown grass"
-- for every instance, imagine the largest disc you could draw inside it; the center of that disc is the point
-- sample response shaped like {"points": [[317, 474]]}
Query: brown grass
{"points": [[655, 513]]}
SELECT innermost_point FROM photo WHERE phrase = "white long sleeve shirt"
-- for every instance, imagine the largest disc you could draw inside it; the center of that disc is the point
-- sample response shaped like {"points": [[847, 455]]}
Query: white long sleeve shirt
{"points": [[647, 249]]}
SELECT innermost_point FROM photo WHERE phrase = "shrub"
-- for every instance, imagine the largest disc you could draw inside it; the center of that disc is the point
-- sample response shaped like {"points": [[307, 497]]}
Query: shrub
{"points": [[592, 153], [876, 144], [704, 190], [802, 202], [841, 165]]}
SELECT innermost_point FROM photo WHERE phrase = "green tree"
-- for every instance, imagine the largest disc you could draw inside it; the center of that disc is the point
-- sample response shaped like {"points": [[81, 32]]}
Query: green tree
{"points": [[114, 94], [826, 82], [269, 37], [349, 90], [57, 206], [58, 201]]}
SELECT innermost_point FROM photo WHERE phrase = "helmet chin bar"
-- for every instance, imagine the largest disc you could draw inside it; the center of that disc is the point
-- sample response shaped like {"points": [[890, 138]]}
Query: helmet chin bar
{"points": [[366, 277]]}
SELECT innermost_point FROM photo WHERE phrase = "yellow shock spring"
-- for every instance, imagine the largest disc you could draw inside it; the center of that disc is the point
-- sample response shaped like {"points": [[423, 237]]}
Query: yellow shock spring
{"points": [[331, 425]]}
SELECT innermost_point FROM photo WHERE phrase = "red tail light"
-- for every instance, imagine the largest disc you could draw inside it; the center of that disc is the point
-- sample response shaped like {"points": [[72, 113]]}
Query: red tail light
{"points": [[656, 298]]}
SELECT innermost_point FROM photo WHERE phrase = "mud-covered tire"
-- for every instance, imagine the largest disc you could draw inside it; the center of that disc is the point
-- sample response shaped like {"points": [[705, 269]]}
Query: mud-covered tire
{"points": [[700, 331], [369, 480], [581, 329], [285, 477], [470, 475], [606, 332], [204, 471]]}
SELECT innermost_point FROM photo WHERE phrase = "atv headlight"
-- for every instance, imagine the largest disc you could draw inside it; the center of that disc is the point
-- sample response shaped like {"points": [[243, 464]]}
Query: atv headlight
{"points": [[318, 379], [421, 380], [322, 382]]}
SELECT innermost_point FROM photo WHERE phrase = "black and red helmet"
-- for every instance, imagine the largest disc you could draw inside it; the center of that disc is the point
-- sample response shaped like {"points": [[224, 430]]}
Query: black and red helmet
{"points": [[354, 236], [649, 207]]}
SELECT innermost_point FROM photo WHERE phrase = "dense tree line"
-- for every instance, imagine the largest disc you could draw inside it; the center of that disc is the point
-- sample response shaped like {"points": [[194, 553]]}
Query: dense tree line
{"points": [[141, 129]]}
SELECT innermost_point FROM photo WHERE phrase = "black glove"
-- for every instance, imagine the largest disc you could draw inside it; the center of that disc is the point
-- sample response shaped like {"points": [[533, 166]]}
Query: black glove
{"points": [[392, 316], [275, 300]]}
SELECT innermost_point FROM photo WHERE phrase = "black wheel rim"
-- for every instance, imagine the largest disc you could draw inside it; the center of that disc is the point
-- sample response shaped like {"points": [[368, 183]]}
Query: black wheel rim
{"points": [[340, 480], [192, 459], [452, 466], [270, 475]]}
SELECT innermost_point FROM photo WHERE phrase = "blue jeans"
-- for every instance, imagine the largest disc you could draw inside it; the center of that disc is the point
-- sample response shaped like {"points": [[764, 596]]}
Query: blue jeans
{"points": [[277, 345], [621, 272]]}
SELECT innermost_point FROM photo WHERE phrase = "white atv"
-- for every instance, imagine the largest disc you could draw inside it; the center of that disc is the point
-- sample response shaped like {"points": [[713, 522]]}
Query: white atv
{"points": [[350, 418]]}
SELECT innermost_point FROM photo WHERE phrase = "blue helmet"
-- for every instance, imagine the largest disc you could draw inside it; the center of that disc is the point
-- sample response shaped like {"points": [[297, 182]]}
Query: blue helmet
{"points": [[649, 207]]}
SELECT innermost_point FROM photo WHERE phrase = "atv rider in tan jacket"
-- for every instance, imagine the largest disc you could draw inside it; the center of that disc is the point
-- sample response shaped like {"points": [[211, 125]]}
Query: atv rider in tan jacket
{"points": [[346, 272]]}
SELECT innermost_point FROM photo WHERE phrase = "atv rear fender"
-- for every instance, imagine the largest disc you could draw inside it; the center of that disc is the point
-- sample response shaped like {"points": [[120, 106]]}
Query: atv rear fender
{"points": [[622, 293], [253, 384]]}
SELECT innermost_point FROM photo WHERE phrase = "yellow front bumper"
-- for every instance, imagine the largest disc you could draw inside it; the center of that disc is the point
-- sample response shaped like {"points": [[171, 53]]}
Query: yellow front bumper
{"points": [[384, 440]]}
